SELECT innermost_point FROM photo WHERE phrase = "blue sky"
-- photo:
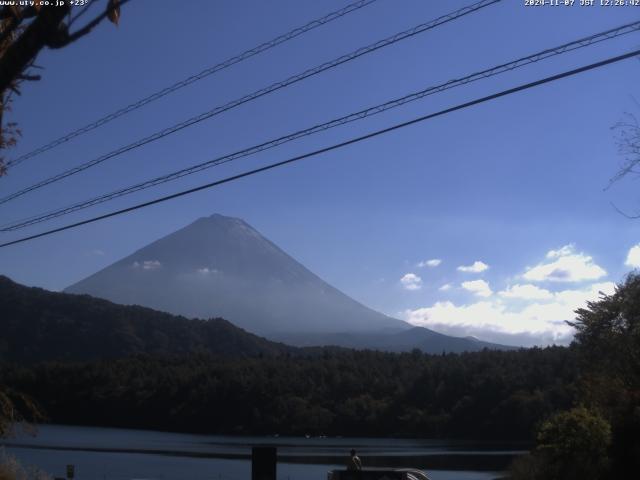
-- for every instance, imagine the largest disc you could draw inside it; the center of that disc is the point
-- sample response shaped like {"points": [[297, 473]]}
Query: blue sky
{"points": [[517, 183]]}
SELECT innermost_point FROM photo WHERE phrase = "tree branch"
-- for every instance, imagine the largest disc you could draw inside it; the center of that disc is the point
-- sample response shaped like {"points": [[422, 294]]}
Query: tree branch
{"points": [[66, 38], [28, 12], [82, 12], [35, 37], [31, 78], [9, 28]]}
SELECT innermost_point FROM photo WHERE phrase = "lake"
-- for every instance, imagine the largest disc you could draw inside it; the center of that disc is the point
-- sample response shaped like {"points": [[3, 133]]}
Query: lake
{"points": [[121, 454]]}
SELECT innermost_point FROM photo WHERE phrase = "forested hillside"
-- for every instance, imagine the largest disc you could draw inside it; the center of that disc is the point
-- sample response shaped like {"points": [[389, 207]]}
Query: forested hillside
{"points": [[484, 395], [579, 404], [39, 325]]}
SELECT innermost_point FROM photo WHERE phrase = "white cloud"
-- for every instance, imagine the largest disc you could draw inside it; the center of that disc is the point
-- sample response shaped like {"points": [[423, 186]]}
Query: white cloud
{"points": [[478, 287], [411, 281], [445, 287], [476, 267], [526, 292], [633, 257], [567, 266], [148, 265], [539, 322], [98, 252], [206, 271], [562, 251], [434, 262]]}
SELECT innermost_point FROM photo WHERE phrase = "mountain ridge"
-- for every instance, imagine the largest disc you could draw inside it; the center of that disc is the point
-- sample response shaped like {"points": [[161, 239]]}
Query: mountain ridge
{"points": [[39, 325], [221, 266]]}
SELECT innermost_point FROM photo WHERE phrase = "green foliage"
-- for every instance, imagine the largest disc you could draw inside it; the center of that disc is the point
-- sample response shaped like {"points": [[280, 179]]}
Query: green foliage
{"points": [[608, 345], [608, 333], [487, 394], [602, 440], [575, 445], [575, 432], [147, 369], [571, 445]]}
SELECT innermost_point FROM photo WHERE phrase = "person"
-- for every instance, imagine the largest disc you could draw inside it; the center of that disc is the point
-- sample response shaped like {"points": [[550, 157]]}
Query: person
{"points": [[354, 462]]}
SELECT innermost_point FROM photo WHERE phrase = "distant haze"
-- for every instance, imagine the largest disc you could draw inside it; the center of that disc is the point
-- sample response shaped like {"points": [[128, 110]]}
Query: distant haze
{"points": [[221, 267]]}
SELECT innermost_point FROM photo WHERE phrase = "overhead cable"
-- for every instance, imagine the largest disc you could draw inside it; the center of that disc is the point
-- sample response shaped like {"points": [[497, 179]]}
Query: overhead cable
{"points": [[352, 7], [336, 146], [257, 94], [489, 72]]}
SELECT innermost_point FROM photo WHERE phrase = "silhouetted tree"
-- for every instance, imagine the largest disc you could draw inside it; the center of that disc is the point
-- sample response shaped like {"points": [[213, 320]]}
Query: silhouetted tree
{"points": [[24, 32], [608, 341]]}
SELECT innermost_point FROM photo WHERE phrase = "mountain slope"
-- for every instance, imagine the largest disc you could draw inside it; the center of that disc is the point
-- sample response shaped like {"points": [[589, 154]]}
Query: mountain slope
{"points": [[220, 266], [38, 325]]}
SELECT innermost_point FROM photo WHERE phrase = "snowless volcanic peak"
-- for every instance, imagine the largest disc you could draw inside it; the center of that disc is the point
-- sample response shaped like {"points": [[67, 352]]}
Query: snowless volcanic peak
{"points": [[220, 266]]}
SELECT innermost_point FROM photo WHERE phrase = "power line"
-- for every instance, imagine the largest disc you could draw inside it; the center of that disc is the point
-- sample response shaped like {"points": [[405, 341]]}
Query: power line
{"points": [[257, 94], [536, 57], [194, 78], [336, 146]]}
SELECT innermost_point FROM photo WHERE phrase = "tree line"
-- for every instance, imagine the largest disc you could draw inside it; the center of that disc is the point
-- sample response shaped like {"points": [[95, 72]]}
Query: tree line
{"points": [[489, 394], [579, 406]]}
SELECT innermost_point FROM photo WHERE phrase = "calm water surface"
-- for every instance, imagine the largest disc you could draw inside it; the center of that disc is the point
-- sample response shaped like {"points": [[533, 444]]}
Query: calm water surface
{"points": [[119, 454]]}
